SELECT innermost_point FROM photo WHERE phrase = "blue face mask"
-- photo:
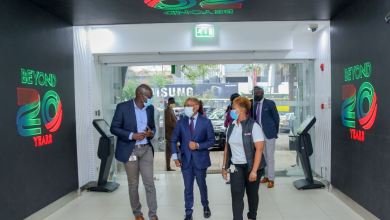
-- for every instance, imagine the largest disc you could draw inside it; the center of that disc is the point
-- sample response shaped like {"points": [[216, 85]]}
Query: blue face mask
{"points": [[148, 103], [188, 111], [233, 114]]}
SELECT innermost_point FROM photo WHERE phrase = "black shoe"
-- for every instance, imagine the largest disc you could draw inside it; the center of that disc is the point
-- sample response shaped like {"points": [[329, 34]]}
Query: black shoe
{"points": [[206, 212], [188, 217], [250, 217]]}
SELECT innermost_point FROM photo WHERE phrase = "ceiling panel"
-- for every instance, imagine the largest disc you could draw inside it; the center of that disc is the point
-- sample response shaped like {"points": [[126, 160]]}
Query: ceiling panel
{"points": [[105, 12]]}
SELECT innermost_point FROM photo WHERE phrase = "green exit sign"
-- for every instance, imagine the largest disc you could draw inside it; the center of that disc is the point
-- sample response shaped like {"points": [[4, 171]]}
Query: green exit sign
{"points": [[204, 31]]}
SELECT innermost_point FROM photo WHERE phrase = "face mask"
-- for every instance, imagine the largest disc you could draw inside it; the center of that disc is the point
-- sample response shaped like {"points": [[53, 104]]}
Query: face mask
{"points": [[258, 98], [233, 114], [188, 111], [148, 102]]}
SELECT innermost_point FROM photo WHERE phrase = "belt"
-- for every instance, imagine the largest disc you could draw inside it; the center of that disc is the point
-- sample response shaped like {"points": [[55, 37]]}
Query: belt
{"points": [[241, 165], [142, 145]]}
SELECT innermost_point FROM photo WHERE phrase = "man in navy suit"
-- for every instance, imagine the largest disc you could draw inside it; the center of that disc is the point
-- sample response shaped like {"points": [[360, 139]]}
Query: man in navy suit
{"points": [[133, 124], [195, 134], [265, 113]]}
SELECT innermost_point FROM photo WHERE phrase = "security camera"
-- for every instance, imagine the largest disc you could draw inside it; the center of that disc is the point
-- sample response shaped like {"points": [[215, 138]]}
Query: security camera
{"points": [[313, 27], [387, 18]]}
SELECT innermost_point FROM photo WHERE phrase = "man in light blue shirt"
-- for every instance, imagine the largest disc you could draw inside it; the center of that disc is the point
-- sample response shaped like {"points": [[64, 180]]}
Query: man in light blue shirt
{"points": [[133, 124], [142, 123]]}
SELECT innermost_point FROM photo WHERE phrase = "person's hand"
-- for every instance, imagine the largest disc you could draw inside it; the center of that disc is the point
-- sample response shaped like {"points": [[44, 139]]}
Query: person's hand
{"points": [[252, 176], [193, 145], [178, 163], [224, 174], [148, 133], [138, 136]]}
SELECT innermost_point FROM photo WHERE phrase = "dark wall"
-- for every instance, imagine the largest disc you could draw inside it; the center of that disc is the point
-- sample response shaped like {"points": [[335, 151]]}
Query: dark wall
{"points": [[33, 177], [360, 168]]}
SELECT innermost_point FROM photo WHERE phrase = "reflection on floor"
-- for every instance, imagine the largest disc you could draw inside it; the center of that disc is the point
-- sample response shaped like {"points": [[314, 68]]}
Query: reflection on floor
{"points": [[283, 202], [285, 159]]}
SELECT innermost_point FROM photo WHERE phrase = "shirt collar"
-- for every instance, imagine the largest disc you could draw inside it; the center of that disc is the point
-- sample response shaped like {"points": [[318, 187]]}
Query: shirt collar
{"points": [[262, 100], [136, 107], [195, 116]]}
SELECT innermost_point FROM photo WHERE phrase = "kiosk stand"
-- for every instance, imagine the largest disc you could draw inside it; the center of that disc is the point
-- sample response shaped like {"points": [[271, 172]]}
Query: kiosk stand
{"points": [[304, 151], [106, 155]]}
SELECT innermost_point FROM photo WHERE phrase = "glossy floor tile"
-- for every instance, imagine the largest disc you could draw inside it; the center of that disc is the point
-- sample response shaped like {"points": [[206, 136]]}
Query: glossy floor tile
{"points": [[283, 202]]}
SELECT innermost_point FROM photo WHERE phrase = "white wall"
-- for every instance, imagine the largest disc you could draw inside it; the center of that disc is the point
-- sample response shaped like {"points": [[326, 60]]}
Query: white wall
{"points": [[152, 43], [322, 152], [87, 101]]}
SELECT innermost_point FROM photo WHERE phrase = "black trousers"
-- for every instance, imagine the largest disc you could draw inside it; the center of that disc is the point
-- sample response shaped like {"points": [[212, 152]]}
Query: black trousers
{"points": [[239, 183]]}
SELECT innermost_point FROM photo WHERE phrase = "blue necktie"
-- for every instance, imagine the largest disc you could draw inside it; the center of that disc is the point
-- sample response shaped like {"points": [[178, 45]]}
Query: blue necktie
{"points": [[192, 126], [258, 112]]}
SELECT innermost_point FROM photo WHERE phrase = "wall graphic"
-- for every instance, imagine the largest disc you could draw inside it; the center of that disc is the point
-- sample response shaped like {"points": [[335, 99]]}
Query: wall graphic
{"points": [[360, 104], [38, 153], [195, 7], [38, 117], [360, 109]]}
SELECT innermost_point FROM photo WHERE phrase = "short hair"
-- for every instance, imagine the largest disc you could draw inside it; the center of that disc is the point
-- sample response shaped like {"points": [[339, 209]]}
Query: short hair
{"points": [[193, 99], [171, 99], [243, 103], [234, 96], [258, 88], [143, 87]]}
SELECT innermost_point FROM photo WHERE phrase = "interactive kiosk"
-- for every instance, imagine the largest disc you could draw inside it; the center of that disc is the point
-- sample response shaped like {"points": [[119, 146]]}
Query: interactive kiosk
{"points": [[106, 155], [304, 151]]}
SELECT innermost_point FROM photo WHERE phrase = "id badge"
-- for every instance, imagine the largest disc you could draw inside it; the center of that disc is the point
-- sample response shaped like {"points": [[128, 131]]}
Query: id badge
{"points": [[133, 158], [232, 168]]}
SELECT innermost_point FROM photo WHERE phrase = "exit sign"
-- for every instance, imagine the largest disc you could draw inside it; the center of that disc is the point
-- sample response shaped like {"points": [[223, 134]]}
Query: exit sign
{"points": [[204, 31]]}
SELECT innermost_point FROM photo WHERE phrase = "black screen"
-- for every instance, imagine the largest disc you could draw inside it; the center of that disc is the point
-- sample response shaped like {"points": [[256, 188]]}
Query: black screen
{"points": [[102, 127], [306, 125]]}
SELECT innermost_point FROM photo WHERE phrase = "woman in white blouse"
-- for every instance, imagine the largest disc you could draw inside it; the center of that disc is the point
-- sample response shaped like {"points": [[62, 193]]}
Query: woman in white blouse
{"points": [[243, 159]]}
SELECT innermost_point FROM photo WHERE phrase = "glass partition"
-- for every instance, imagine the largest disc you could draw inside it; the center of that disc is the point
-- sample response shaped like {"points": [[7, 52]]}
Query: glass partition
{"points": [[289, 84]]}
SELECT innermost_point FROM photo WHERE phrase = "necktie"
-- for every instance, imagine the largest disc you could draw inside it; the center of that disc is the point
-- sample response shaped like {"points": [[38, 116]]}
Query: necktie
{"points": [[258, 112], [192, 126]]}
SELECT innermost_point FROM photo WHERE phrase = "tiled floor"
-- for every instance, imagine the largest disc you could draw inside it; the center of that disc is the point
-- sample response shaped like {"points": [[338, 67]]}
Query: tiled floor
{"points": [[281, 203], [283, 161]]}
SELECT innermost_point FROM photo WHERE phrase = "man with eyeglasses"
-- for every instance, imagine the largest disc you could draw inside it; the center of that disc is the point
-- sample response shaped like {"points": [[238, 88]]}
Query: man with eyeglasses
{"points": [[134, 125], [196, 135]]}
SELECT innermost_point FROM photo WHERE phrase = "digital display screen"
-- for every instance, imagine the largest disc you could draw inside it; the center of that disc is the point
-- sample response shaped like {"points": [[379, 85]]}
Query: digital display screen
{"points": [[102, 127], [306, 125]]}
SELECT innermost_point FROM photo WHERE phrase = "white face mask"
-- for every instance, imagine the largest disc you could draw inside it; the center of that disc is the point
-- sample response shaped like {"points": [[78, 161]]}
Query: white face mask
{"points": [[188, 111]]}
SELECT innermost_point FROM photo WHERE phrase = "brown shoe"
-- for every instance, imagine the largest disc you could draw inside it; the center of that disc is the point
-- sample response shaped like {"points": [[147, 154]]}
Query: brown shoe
{"points": [[139, 217], [264, 180], [271, 184]]}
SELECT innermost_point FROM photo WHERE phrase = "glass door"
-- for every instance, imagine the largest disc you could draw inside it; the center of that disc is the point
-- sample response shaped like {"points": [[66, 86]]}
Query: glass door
{"points": [[289, 84]]}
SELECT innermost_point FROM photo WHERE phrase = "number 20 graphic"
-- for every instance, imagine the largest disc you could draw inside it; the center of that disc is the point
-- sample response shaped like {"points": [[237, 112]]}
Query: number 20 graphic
{"points": [[354, 105], [186, 4], [27, 118]]}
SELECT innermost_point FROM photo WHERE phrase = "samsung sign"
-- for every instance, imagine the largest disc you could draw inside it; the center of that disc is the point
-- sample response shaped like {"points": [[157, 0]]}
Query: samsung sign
{"points": [[170, 91], [216, 90]]}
